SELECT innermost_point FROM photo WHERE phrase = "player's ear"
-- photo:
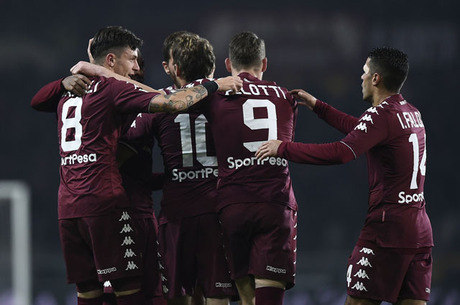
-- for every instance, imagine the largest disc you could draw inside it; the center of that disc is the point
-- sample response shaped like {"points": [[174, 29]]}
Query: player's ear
{"points": [[177, 70], [376, 79], [228, 65], [110, 60], [264, 64], [165, 67]]}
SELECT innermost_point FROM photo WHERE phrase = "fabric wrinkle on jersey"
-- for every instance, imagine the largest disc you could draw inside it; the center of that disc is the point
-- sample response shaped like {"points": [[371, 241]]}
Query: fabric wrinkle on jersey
{"points": [[241, 177], [388, 134], [91, 127]]}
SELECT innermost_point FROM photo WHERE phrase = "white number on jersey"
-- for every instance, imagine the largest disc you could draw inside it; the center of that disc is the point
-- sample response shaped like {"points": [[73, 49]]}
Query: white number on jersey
{"points": [[71, 123], [415, 147], [269, 123], [200, 141], [350, 267]]}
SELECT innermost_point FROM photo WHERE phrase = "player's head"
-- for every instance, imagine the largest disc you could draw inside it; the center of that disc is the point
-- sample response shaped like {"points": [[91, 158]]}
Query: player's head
{"points": [[246, 52], [188, 57], [116, 48], [385, 69]]}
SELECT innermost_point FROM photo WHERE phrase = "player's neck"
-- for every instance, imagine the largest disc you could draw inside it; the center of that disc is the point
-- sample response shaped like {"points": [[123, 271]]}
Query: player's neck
{"points": [[257, 73], [380, 96], [181, 82]]}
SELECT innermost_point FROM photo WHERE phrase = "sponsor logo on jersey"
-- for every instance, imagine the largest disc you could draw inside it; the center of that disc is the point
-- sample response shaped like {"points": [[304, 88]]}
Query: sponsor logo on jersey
{"points": [[359, 286], [80, 159], [223, 285], [129, 253], [368, 118], [275, 270], [238, 163], [366, 251], [361, 274], [126, 229], [407, 198], [128, 241], [131, 266], [204, 173], [124, 216], [361, 126], [106, 271], [364, 262]]}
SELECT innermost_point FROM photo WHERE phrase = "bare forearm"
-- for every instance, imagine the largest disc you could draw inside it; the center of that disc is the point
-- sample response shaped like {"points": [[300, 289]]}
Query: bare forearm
{"points": [[179, 100]]}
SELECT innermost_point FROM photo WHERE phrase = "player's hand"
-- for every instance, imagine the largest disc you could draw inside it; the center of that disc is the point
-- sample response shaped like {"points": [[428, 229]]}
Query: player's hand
{"points": [[229, 83], [90, 56], [304, 98], [89, 69], [268, 149], [77, 84]]}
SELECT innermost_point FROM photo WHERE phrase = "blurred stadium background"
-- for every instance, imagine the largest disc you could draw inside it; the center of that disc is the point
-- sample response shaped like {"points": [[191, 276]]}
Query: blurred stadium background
{"points": [[316, 45]]}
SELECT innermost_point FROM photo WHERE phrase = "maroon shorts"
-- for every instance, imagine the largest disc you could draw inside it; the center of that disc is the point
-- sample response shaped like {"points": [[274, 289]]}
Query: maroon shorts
{"points": [[191, 254], [101, 247], [260, 240], [389, 274]]}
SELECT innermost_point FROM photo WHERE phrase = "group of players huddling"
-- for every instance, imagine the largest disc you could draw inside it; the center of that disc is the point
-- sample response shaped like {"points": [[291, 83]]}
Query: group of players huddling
{"points": [[227, 227]]}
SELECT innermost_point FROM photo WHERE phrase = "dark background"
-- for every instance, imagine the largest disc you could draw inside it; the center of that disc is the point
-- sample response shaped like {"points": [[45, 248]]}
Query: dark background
{"points": [[320, 46]]}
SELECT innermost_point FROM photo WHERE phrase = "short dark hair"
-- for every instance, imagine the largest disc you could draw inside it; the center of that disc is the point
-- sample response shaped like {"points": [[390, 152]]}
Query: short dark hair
{"points": [[194, 56], [392, 64], [246, 50], [168, 42], [112, 39]]}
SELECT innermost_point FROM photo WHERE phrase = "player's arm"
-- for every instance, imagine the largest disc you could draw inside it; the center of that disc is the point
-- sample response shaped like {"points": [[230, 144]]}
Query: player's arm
{"points": [[357, 142], [185, 98], [337, 119], [89, 69], [320, 154], [47, 98]]}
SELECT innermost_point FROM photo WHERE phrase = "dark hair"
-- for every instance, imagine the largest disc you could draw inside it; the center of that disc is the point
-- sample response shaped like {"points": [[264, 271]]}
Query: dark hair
{"points": [[194, 56], [391, 64], [246, 50], [167, 44], [113, 39]]}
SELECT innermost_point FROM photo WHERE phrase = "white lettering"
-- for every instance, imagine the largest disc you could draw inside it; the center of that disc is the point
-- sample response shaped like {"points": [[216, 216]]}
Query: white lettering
{"points": [[80, 159], [275, 270], [204, 173], [406, 198], [246, 162]]}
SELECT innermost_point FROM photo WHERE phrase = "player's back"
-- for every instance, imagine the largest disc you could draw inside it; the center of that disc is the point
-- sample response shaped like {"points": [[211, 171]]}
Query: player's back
{"points": [[190, 164], [89, 128], [397, 216], [240, 123]]}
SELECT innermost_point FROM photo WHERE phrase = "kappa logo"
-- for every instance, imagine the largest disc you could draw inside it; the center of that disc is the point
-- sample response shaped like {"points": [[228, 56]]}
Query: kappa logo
{"points": [[107, 284], [372, 110], [160, 266], [126, 229], [364, 262], [129, 253], [163, 278], [381, 104], [128, 241], [367, 251], [124, 216], [362, 274], [165, 289], [368, 118], [131, 266], [223, 285], [275, 270], [359, 286], [361, 126]]}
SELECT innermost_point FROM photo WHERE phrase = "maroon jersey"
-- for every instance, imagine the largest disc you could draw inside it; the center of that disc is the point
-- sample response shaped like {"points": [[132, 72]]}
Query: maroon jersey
{"points": [[136, 172], [393, 137], [240, 123], [89, 128], [190, 164]]}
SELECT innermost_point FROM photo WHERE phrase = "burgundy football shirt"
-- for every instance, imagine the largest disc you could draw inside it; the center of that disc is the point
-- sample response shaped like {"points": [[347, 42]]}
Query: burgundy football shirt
{"points": [[190, 163], [240, 123], [89, 128], [393, 137]]}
